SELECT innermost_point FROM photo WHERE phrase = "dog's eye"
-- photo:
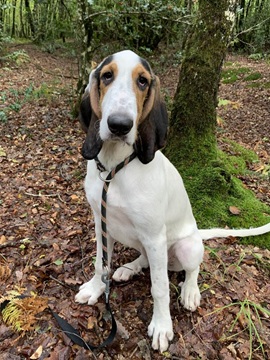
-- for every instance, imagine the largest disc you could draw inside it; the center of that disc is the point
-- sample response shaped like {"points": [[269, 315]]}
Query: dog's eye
{"points": [[107, 77], [142, 82]]}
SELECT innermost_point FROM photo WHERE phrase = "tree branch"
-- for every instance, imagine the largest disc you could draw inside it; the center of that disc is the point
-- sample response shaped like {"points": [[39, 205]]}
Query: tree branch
{"points": [[106, 12], [252, 27]]}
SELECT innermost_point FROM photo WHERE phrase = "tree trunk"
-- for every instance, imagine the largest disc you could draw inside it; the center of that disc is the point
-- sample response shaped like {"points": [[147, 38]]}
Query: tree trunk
{"points": [[2, 16], [84, 10], [13, 18], [30, 17], [193, 120], [22, 32], [192, 146]]}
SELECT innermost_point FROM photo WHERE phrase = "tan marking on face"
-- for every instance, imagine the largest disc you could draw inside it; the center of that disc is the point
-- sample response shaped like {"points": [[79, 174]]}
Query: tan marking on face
{"points": [[94, 99], [153, 98], [140, 94], [112, 68]]}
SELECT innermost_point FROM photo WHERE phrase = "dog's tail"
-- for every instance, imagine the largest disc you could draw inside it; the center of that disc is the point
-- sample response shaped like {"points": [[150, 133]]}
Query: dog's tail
{"points": [[213, 233]]}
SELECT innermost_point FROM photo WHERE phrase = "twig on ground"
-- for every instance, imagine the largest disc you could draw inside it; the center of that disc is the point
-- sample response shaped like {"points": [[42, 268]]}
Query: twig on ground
{"points": [[70, 287], [45, 195]]}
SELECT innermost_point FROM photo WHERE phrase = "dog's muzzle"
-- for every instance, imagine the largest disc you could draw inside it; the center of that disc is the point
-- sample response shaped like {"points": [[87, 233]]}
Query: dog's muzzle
{"points": [[119, 124]]}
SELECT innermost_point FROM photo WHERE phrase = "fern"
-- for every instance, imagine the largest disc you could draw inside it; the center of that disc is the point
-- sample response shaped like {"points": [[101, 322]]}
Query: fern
{"points": [[20, 312], [12, 315]]}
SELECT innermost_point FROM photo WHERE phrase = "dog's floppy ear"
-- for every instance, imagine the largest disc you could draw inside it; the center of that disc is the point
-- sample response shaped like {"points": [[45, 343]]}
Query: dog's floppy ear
{"points": [[153, 125], [89, 118]]}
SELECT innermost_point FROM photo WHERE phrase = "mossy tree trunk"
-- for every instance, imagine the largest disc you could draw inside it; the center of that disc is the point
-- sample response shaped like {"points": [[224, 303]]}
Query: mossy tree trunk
{"points": [[193, 120], [192, 145]]}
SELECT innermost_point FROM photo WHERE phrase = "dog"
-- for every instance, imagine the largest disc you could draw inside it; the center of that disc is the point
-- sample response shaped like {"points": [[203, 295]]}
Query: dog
{"points": [[147, 205]]}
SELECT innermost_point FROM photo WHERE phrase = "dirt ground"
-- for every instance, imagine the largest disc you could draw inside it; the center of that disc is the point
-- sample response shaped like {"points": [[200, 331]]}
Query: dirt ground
{"points": [[47, 241]]}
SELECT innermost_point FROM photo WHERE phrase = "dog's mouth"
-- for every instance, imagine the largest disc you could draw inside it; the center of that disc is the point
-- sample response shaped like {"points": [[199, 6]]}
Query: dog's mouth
{"points": [[120, 139]]}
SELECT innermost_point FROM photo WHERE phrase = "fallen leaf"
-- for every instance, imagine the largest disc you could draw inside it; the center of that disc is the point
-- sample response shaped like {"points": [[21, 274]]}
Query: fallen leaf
{"points": [[4, 272], [122, 331], [19, 275], [224, 102], [74, 197], [2, 152], [58, 262], [235, 105], [71, 281], [3, 239], [92, 321], [37, 353], [56, 247], [220, 121], [234, 210]]}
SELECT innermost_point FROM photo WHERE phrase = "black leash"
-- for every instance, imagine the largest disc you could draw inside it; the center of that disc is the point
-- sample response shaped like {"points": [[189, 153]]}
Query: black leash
{"points": [[68, 329], [107, 181], [75, 336]]}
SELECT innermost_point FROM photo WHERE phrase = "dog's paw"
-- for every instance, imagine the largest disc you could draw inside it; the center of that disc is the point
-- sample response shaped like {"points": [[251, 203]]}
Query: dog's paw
{"points": [[123, 273], [162, 333], [90, 291], [127, 271], [190, 296]]}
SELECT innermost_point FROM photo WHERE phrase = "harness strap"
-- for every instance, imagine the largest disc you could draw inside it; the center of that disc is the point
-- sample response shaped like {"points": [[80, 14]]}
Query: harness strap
{"points": [[68, 329]]}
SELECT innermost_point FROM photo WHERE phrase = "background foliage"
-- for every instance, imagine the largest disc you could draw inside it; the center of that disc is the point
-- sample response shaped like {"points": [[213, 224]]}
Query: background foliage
{"points": [[140, 25], [94, 29]]}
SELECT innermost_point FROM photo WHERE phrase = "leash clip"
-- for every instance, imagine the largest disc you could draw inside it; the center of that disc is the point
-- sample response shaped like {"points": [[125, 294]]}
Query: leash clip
{"points": [[106, 280]]}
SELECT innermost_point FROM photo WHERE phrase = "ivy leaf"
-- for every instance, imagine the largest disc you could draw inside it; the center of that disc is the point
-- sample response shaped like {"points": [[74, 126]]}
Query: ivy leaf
{"points": [[223, 102], [58, 262]]}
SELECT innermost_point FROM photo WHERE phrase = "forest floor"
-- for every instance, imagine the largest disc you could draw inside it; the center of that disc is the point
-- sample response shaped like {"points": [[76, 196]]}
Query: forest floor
{"points": [[47, 241]]}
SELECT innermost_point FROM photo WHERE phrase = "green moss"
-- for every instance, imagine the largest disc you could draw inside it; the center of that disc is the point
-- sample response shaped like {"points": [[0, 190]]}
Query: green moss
{"points": [[236, 162], [231, 75], [213, 187], [228, 63], [200, 148], [230, 80], [266, 85], [254, 85], [253, 76]]}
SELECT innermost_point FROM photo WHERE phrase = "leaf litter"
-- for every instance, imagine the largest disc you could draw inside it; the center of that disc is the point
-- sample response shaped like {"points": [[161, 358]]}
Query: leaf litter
{"points": [[47, 243]]}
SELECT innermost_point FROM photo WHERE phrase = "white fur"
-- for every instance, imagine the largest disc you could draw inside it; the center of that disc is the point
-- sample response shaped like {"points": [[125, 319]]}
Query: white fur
{"points": [[120, 97], [147, 209], [210, 233]]}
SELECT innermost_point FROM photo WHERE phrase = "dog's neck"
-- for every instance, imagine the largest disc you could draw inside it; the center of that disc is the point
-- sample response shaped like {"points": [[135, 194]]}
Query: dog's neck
{"points": [[114, 152]]}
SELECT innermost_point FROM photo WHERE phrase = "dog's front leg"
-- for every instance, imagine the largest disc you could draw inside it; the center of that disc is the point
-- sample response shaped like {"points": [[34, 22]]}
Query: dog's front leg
{"points": [[160, 327], [91, 290]]}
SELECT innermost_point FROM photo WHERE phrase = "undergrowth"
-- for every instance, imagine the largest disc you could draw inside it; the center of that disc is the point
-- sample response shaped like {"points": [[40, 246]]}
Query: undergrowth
{"points": [[249, 314], [234, 72], [13, 99], [245, 315]]}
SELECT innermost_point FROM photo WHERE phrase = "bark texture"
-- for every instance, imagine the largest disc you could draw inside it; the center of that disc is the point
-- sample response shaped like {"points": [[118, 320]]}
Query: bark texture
{"points": [[193, 119]]}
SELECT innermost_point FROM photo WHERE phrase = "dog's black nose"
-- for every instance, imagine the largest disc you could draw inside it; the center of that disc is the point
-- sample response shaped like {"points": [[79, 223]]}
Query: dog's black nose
{"points": [[119, 124]]}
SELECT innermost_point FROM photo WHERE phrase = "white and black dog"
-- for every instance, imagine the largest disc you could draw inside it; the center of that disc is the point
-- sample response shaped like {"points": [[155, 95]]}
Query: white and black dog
{"points": [[147, 205]]}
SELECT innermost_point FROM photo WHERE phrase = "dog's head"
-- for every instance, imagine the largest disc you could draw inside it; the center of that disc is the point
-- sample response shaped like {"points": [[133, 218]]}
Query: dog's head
{"points": [[122, 103]]}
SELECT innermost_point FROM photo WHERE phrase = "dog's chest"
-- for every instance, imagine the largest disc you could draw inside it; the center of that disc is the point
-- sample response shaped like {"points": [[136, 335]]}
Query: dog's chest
{"points": [[120, 217]]}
